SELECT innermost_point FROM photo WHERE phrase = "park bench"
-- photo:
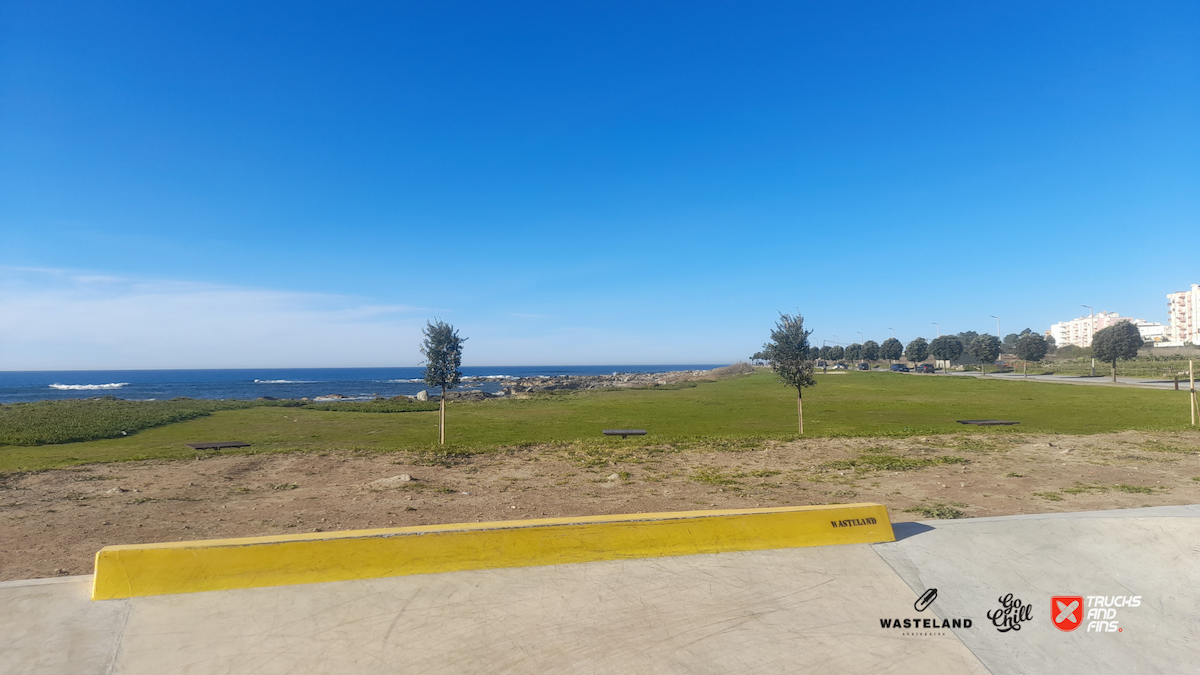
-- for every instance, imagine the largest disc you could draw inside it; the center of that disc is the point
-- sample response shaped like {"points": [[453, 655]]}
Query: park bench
{"points": [[220, 445], [624, 432], [988, 423]]}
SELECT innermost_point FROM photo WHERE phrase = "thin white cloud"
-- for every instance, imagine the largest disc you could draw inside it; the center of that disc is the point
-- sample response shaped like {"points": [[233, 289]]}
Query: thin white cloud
{"points": [[62, 319]]}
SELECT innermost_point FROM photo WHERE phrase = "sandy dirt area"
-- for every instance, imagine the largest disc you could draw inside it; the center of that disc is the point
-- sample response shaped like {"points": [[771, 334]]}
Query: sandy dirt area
{"points": [[53, 522]]}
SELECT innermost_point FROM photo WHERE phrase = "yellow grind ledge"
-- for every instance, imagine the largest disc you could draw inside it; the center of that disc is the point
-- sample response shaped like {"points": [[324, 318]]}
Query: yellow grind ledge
{"points": [[223, 564]]}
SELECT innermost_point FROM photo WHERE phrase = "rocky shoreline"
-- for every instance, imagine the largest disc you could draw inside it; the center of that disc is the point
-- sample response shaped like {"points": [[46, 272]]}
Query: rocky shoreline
{"points": [[519, 387], [545, 383]]}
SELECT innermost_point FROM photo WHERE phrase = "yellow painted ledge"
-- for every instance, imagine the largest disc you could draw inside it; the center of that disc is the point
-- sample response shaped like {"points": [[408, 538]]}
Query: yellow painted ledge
{"points": [[222, 564]]}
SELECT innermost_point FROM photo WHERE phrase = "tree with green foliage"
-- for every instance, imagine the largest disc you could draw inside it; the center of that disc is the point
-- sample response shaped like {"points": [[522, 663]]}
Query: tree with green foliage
{"points": [[870, 350], [986, 348], [1031, 347], [814, 353], [788, 352], [1119, 341], [1010, 342], [837, 353], [826, 353], [917, 350], [891, 350], [946, 348], [854, 352], [442, 349]]}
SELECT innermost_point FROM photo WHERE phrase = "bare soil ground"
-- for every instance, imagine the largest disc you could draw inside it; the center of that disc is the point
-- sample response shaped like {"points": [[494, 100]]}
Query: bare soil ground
{"points": [[53, 522]]}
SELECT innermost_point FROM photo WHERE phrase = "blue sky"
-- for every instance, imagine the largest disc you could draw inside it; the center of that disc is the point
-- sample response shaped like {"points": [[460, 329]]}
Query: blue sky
{"points": [[581, 183]]}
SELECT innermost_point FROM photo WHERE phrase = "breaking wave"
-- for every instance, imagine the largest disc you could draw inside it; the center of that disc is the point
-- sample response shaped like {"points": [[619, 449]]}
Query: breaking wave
{"points": [[283, 382], [88, 387]]}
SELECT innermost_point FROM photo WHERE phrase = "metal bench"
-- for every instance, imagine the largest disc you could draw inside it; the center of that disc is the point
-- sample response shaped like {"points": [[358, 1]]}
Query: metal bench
{"points": [[624, 432], [220, 445], [988, 423]]}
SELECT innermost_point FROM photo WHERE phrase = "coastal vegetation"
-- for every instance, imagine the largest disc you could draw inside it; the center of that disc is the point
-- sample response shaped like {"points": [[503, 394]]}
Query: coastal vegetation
{"points": [[442, 349], [787, 352], [735, 413]]}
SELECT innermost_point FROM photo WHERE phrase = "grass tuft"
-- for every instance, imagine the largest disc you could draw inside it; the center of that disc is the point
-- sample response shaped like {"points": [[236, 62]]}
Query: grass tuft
{"points": [[867, 463], [938, 511]]}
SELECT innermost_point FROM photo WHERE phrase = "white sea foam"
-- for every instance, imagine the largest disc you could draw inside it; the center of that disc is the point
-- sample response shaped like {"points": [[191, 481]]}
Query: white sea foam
{"points": [[414, 380], [283, 382], [89, 387]]}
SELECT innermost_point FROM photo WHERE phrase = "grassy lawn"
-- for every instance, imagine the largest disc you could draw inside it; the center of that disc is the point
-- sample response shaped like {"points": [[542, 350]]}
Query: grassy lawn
{"points": [[729, 412]]}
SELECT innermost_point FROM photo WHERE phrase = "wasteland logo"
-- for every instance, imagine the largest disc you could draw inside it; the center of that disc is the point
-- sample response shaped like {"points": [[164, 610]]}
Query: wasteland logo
{"points": [[921, 605], [1011, 614]]}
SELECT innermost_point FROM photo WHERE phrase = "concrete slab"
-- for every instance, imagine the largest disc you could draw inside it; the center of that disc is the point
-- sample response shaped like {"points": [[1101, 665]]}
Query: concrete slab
{"points": [[1153, 553], [810, 610], [52, 626], [781, 611]]}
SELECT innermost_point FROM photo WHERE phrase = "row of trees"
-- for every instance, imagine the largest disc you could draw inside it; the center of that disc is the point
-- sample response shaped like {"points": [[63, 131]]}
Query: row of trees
{"points": [[793, 359]]}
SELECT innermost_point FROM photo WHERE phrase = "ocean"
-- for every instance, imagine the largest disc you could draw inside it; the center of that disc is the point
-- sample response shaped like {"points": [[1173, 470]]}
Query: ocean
{"points": [[251, 383]]}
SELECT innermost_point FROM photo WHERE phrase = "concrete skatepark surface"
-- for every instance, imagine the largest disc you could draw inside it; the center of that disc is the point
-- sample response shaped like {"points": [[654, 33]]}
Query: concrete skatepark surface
{"points": [[799, 610]]}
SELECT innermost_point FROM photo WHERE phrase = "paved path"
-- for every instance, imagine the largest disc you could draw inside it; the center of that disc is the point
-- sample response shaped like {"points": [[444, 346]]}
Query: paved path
{"points": [[1099, 380], [806, 610]]}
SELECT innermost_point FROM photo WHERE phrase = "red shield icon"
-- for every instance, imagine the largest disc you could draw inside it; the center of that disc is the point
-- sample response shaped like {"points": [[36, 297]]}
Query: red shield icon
{"points": [[1066, 611]]}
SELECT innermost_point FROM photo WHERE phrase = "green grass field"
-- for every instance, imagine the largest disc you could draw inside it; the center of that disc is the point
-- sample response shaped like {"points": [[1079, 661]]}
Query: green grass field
{"points": [[727, 413]]}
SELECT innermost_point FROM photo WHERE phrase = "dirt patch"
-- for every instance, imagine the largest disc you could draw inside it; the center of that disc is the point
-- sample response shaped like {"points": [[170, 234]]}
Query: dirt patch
{"points": [[53, 522]]}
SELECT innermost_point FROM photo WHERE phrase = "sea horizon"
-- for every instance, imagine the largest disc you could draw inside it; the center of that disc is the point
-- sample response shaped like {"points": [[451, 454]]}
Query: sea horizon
{"points": [[22, 386]]}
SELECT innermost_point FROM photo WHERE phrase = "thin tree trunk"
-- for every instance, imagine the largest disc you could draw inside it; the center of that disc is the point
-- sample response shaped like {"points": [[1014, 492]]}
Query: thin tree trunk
{"points": [[442, 424], [1026, 369], [1114, 367], [800, 409]]}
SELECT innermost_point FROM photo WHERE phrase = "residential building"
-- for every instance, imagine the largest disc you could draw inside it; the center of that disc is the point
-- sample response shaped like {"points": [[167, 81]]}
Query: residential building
{"points": [[1183, 312], [1152, 332], [1079, 331]]}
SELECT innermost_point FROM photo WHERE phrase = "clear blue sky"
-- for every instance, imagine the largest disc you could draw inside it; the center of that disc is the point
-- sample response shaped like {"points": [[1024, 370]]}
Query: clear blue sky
{"points": [[303, 184]]}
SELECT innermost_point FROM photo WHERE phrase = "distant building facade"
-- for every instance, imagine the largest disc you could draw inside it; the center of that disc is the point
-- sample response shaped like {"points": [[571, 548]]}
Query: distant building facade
{"points": [[1183, 311], [1079, 331], [1152, 332]]}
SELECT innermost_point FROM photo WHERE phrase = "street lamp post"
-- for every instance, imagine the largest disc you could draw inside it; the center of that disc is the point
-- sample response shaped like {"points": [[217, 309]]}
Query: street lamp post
{"points": [[1091, 330], [893, 331], [997, 325], [939, 327]]}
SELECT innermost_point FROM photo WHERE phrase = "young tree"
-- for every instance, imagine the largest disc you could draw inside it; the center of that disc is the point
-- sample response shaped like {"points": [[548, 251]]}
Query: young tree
{"points": [[854, 352], [1119, 341], [946, 348], [788, 352], [1010, 342], [986, 348], [967, 337], [891, 349], [917, 350], [442, 349], [870, 351], [1031, 347]]}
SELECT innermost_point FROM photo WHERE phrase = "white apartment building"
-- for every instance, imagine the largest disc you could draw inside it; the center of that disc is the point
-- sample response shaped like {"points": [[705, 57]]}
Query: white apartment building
{"points": [[1152, 331], [1183, 311], [1079, 331]]}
